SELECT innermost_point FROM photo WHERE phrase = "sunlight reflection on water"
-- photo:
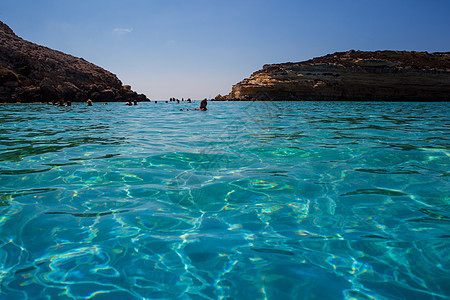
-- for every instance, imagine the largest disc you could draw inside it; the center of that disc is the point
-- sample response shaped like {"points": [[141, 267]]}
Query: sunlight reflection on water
{"points": [[246, 200]]}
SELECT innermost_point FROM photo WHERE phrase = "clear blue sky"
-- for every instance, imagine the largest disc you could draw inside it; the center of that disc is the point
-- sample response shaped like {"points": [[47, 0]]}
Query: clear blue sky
{"points": [[199, 48]]}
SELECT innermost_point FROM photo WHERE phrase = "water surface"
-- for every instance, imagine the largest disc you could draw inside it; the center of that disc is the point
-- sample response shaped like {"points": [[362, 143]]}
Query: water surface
{"points": [[282, 200]]}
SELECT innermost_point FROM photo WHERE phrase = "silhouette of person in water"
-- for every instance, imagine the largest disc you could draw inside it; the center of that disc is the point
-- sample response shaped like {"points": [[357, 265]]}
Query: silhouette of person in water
{"points": [[203, 105], [67, 103], [129, 103], [89, 102]]}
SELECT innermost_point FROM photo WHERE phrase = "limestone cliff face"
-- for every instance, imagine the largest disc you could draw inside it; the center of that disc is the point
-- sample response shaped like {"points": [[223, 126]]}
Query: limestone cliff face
{"points": [[353, 76], [33, 73]]}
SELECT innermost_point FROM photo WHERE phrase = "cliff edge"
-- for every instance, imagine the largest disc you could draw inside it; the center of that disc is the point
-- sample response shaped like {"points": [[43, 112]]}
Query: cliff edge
{"points": [[352, 76], [33, 73]]}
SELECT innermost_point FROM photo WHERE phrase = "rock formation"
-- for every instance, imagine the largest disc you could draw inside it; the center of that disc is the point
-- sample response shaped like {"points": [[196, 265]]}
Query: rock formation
{"points": [[353, 76], [33, 73]]}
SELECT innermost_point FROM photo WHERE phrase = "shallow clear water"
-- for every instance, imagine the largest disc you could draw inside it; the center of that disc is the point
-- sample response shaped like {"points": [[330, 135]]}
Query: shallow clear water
{"points": [[283, 200]]}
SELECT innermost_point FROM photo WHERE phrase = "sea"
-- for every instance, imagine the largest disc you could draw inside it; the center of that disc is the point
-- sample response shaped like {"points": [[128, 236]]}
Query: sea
{"points": [[247, 200]]}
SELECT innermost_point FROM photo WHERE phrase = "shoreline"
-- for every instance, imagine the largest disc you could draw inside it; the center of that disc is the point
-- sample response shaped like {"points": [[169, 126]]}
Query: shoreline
{"points": [[265, 101]]}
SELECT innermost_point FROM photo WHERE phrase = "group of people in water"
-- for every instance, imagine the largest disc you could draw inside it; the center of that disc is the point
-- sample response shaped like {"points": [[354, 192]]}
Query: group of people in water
{"points": [[89, 102], [61, 102], [188, 100], [203, 104], [129, 103]]}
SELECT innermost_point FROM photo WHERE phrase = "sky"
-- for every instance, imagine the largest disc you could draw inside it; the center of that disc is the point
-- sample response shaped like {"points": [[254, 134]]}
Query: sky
{"points": [[200, 48]]}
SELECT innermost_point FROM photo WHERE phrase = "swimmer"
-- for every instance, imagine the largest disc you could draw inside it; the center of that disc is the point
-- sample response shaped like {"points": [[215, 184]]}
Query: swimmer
{"points": [[203, 105]]}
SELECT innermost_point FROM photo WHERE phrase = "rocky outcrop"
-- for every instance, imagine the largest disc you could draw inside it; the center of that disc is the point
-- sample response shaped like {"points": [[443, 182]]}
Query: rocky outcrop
{"points": [[353, 76], [33, 73]]}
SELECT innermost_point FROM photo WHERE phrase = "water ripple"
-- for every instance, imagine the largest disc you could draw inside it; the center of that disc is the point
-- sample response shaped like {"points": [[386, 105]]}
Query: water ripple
{"points": [[246, 200]]}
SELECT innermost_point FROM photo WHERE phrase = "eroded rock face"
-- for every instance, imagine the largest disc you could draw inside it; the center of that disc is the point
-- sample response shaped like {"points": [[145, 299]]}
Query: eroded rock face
{"points": [[33, 73], [353, 76]]}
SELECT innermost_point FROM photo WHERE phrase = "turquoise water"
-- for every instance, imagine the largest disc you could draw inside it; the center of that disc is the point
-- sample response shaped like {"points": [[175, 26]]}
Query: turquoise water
{"points": [[283, 200]]}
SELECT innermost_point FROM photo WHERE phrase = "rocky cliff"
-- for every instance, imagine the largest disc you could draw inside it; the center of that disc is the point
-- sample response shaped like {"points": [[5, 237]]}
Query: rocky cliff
{"points": [[353, 76], [33, 73]]}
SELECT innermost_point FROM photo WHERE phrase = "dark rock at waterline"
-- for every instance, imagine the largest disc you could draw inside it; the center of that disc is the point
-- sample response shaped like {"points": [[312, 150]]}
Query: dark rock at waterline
{"points": [[352, 76], [33, 73]]}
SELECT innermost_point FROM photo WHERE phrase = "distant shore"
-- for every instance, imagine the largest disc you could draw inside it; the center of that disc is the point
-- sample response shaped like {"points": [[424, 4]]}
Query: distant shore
{"points": [[30, 73], [352, 76]]}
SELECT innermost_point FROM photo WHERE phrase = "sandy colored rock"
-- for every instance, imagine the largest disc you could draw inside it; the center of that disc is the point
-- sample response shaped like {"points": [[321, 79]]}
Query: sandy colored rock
{"points": [[353, 76]]}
